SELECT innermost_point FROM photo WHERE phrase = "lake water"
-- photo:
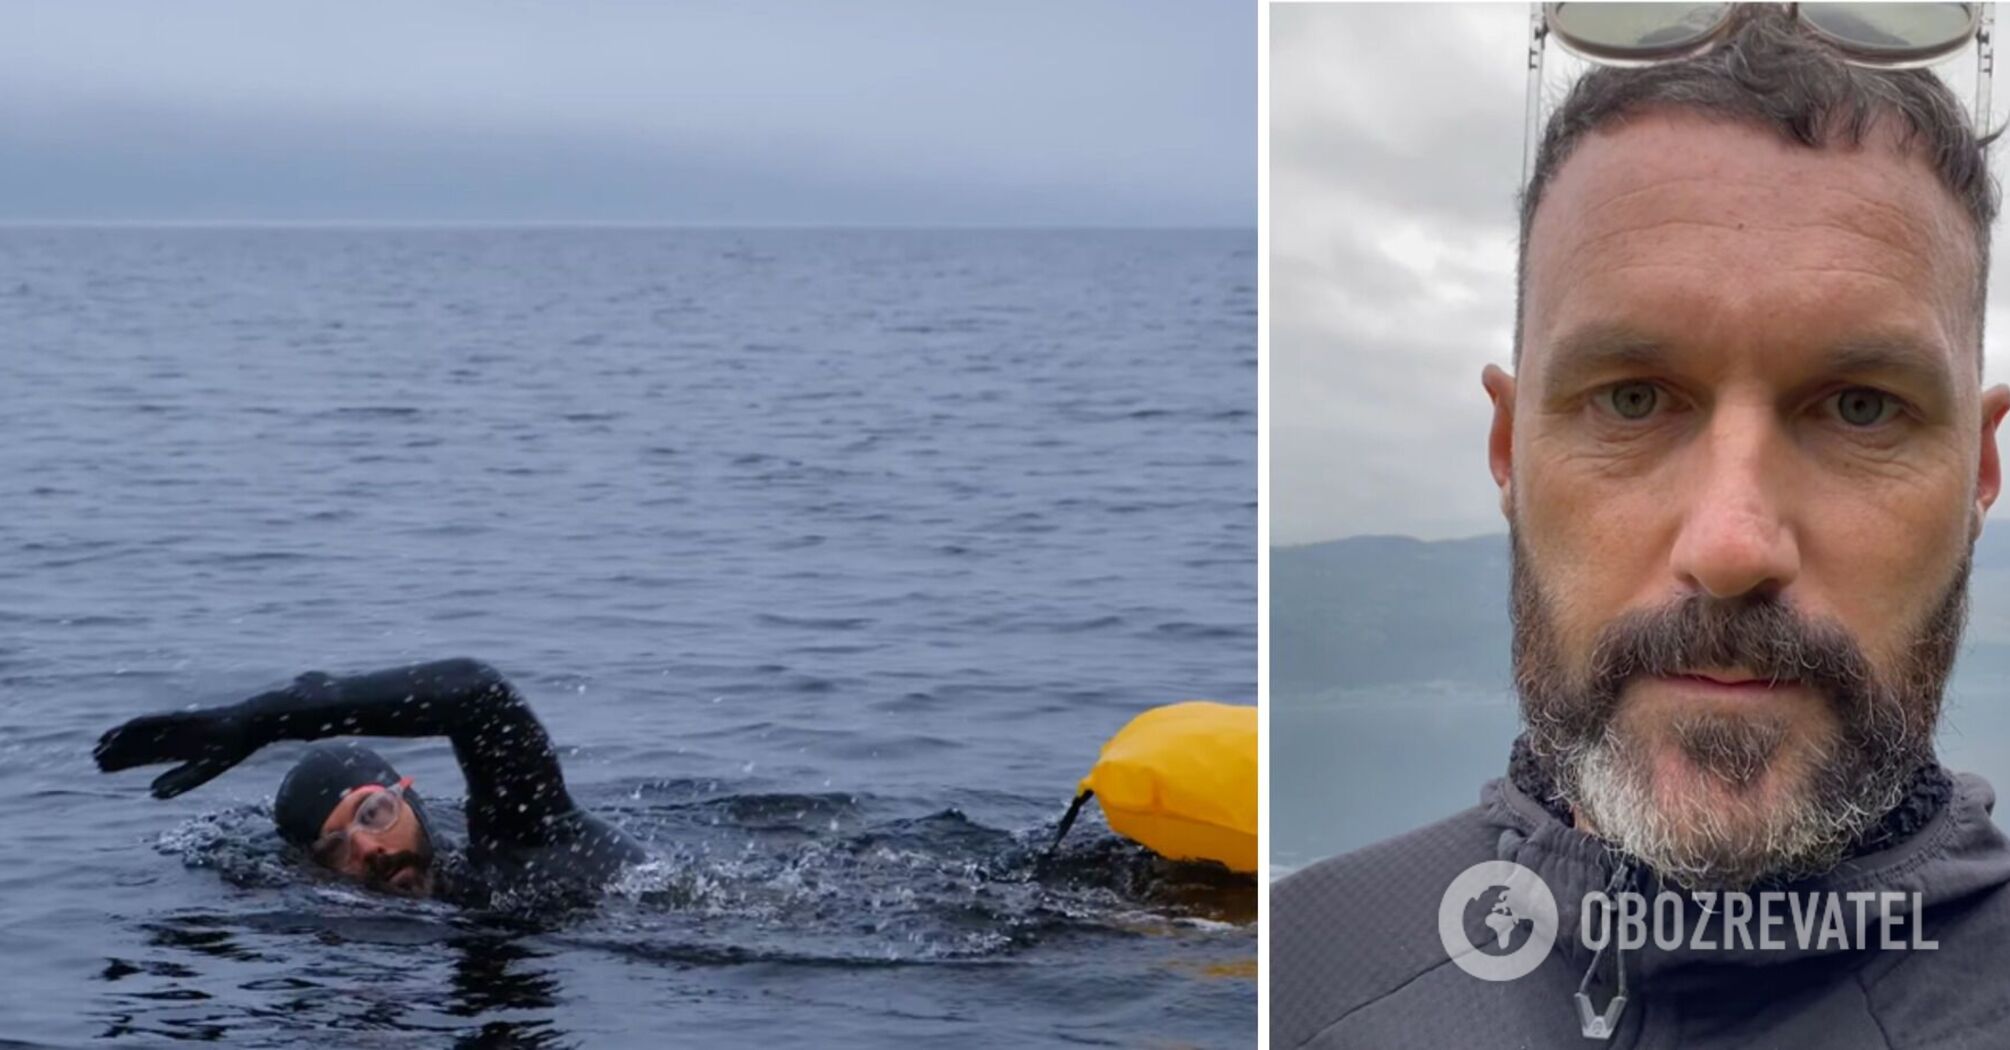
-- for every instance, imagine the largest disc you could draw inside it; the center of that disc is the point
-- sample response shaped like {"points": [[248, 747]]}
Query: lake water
{"points": [[827, 557]]}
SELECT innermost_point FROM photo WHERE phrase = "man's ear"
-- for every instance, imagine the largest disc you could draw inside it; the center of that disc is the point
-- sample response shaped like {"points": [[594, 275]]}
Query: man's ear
{"points": [[1989, 476], [1500, 440]]}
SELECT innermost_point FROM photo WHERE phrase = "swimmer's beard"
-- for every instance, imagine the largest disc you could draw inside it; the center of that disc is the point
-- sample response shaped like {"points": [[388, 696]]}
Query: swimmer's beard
{"points": [[408, 874]]}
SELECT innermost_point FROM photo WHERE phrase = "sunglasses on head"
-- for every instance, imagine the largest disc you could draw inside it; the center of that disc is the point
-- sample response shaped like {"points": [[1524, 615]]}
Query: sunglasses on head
{"points": [[1875, 35]]}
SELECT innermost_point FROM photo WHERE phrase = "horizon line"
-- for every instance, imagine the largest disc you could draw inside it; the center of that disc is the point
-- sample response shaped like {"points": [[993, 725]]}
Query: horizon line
{"points": [[1387, 536]]}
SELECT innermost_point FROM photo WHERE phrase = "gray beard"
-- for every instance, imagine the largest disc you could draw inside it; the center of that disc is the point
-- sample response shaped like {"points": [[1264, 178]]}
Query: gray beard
{"points": [[1813, 814]]}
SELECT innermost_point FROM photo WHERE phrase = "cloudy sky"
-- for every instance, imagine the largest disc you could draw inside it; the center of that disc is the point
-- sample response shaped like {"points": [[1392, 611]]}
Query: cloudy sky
{"points": [[1396, 140], [1063, 112]]}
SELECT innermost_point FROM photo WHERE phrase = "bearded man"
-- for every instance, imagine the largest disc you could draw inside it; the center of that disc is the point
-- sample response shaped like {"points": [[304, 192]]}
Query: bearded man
{"points": [[1744, 456]]}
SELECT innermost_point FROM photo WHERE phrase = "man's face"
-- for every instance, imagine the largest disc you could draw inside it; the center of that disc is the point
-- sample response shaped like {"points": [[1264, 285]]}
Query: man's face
{"points": [[397, 859], [1745, 460]]}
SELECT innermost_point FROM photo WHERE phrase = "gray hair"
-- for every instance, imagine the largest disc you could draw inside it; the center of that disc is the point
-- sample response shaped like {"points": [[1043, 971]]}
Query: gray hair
{"points": [[1770, 73]]}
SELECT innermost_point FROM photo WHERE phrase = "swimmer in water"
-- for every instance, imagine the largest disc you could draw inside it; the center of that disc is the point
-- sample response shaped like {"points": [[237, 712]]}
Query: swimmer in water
{"points": [[352, 813]]}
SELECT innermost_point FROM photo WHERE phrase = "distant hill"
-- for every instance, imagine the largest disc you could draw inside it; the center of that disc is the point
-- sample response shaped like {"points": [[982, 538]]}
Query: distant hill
{"points": [[1380, 610]]}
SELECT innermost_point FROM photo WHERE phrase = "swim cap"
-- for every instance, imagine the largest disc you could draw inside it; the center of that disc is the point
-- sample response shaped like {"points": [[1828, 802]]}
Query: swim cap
{"points": [[319, 780]]}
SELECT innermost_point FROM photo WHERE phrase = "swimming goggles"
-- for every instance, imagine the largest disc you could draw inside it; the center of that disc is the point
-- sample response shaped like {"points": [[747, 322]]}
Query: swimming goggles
{"points": [[378, 814], [1880, 36]]}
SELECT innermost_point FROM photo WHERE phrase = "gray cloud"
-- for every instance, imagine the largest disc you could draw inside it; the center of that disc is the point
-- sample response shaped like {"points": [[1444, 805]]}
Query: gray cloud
{"points": [[893, 112]]}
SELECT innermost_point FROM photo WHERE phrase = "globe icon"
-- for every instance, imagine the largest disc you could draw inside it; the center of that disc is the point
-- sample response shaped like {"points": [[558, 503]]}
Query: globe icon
{"points": [[1492, 927], [1497, 921]]}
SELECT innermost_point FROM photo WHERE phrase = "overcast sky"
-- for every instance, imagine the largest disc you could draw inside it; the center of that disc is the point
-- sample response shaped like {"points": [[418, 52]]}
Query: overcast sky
{"points": [[1062, 112], [1396, 137]]}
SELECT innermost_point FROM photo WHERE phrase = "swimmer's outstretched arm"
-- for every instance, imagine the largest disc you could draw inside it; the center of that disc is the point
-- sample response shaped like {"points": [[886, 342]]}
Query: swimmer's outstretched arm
{"points": [[516, 790]]}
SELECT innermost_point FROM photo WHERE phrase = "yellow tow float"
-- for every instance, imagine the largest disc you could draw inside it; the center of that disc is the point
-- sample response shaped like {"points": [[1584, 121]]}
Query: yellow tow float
{"points": [[1181, 780]]}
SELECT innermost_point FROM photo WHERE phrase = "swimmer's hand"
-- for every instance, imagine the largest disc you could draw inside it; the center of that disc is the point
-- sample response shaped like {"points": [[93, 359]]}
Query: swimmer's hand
{"points": [[206, 742]]}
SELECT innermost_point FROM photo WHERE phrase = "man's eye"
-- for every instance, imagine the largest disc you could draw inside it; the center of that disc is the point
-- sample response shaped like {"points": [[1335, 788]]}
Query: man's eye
{"points": [[376, 813], [1863, 407], [1632, 400]]}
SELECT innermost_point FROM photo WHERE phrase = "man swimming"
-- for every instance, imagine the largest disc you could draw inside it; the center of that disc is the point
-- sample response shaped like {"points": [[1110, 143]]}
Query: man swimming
{"points": [[351, 812]]}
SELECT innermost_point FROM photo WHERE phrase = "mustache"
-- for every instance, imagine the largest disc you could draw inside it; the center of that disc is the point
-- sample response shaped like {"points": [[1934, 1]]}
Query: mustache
{"points": [[1767, 637], [1881, 721], [1767, 634], [386, 866]]}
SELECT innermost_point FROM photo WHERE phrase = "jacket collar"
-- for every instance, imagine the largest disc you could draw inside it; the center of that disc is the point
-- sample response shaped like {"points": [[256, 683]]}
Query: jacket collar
{"points": [[1946, 855]]}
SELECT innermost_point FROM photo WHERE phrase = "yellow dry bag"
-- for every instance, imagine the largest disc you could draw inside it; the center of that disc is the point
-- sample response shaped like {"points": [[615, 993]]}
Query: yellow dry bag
{"points": [[1181, 779]]}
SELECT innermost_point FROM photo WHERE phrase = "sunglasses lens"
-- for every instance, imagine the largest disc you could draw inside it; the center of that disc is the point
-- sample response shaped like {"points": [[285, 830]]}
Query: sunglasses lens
{"points": [[378, 812], [1894, 31], [1620, 31]]}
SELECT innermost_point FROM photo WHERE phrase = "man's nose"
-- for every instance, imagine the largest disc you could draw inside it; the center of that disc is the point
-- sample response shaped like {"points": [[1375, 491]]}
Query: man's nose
{"points": [[364, 846], [1736, 536]]}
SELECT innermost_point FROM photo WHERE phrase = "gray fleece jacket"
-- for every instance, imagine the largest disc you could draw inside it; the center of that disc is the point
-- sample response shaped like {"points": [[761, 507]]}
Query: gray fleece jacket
{"points": [[1357, 959]]}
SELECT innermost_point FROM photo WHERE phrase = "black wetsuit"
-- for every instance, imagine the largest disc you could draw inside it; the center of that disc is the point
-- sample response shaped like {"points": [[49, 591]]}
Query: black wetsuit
{"points": [[523, 826]]}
